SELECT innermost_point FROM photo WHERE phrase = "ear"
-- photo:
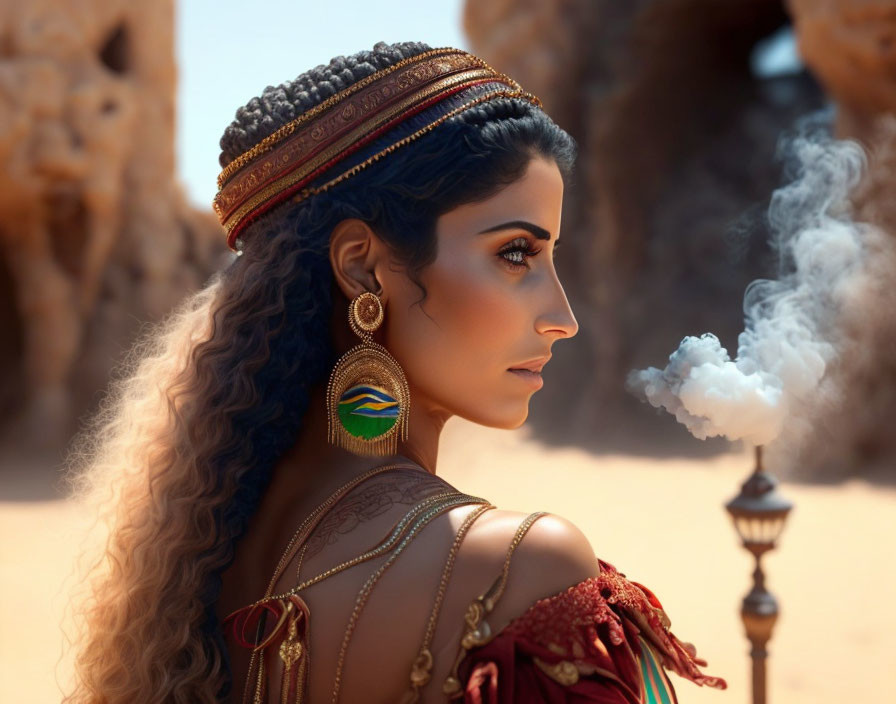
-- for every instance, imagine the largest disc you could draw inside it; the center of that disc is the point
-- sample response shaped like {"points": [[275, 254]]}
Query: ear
{"points": [[356, 253]]}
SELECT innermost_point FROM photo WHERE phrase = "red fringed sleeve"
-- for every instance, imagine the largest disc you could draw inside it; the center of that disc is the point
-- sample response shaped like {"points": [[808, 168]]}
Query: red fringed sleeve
{"points": [[604, 640]]}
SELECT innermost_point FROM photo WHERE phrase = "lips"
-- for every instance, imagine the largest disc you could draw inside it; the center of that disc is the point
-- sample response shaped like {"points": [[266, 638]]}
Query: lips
{"points": [[533, 365], [530, 372]]}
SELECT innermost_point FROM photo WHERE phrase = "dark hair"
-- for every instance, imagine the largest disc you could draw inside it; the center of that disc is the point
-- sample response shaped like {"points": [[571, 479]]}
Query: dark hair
{"points": [[238, 404]]}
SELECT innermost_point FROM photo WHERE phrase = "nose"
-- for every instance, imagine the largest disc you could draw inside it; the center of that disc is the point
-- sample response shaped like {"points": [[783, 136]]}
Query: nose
{"points": [[556, 317]]}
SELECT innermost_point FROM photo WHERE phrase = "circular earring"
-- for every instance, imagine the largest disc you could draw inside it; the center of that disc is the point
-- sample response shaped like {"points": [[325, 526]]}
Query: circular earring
{"points": [[368, 399]]}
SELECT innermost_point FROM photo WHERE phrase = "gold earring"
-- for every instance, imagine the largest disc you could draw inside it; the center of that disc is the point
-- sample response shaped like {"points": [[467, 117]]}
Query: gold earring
{"points": [[368, 399]]}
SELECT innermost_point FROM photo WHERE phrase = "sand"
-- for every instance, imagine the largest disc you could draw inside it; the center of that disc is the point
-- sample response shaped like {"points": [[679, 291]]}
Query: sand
{"points": [[660, 521]]}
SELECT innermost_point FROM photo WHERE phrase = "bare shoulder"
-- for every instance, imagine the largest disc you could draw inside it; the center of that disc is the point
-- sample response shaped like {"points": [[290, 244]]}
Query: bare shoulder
{"points": [[553, 555]]}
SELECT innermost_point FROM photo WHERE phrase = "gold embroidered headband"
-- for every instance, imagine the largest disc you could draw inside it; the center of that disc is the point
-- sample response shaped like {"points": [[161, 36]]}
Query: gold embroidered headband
{"points": [[282, 165]]}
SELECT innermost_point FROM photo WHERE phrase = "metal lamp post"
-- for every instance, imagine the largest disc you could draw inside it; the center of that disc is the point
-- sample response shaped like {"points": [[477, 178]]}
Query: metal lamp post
{"points": [[759, 513]]}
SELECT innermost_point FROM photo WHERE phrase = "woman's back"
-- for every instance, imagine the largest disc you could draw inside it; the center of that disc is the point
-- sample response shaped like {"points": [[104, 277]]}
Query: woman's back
{"points": [[389, 630]]}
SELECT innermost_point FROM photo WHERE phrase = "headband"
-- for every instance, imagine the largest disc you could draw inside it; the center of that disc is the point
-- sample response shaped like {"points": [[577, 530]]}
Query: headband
{"points": [[282, 165]]}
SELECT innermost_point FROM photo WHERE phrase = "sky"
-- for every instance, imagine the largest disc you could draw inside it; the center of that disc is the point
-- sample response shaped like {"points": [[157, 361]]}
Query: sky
{"points": [[228, 52]]}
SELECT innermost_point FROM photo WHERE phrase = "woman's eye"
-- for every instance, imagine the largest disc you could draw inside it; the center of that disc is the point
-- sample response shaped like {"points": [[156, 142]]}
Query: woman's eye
{"points": [[517, 253]]}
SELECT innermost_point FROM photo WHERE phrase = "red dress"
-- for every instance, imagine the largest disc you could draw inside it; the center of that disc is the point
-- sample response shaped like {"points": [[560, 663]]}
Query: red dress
{"points": [[604, 640]]}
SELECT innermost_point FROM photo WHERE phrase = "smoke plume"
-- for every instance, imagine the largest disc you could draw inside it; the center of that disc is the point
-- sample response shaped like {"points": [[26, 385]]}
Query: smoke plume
{"points": [[791, 334]]}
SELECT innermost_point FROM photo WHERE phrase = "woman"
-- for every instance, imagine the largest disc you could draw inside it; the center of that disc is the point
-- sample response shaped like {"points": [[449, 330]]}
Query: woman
{"points": [[278, 531]]}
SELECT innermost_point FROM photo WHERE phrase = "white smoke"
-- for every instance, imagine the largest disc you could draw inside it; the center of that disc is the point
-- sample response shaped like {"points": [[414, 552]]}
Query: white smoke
{"points": [[790, 334]]}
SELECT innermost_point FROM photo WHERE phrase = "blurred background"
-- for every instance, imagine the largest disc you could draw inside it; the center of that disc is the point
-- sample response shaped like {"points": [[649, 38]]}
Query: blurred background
{"points": [[110, 115]]}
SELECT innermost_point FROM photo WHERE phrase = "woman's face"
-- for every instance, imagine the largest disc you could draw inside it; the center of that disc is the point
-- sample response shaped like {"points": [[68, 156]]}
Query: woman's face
{"points": [[494, 303]]}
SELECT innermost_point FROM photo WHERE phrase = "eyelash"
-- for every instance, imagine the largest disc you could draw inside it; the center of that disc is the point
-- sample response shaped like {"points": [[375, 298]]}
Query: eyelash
{"points": [[520, 244]]}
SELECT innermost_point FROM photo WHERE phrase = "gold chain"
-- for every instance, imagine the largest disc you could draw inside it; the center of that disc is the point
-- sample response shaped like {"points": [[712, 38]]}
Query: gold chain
{"points": [[448, 499], [422, 669], [366, 589], [305, 546], [287, 555], [330, 500], [299, 562], [477, 631], [453, 498], [517, 539]]}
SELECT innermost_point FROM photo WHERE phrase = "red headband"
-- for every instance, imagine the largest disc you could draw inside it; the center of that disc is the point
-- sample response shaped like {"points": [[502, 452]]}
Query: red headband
{"points": [[282, 165]]}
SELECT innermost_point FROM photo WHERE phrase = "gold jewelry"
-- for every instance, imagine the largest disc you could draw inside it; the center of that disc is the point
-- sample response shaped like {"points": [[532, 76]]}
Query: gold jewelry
{"points": [[292, 600], [299, 561], [307, 525], [391, 530], [477, 631], [367, 588], [452, 498], [368, 399], [422, 669], [430, 508]]}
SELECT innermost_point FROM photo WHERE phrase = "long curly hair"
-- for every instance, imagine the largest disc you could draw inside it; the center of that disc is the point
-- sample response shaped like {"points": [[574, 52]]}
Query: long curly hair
{"points": [[174, 463]]}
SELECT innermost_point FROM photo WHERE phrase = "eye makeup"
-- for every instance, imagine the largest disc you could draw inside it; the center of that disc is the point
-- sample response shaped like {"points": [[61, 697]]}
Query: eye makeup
{"points": [[517, 252]]}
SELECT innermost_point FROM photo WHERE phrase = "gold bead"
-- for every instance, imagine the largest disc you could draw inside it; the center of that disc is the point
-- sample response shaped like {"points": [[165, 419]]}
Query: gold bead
{"points": [[419, 678], [451, 687], [424, 660]]}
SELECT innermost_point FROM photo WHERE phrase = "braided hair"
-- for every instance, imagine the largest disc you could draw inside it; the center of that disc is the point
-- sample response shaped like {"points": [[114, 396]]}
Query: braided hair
{"points": [[208, 401]]}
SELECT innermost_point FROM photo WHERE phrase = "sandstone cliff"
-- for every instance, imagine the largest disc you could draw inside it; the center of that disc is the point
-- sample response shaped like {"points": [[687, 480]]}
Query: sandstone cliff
{"points": [[95, 235]]}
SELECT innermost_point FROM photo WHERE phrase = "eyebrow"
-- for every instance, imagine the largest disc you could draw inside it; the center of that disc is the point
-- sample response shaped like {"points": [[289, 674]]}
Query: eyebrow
{"points": [[539, 232]]}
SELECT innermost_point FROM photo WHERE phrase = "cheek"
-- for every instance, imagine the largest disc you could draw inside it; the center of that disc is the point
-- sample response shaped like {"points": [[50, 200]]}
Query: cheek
{"points": [[457, 344]]}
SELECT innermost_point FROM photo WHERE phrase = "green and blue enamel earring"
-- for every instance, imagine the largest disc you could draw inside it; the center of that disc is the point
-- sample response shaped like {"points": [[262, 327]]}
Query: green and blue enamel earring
{"points": [[368, 399]]}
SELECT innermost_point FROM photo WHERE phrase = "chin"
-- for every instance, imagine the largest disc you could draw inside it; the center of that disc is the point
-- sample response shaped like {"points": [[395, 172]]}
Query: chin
{"points": [[511, 420], [519, 422]]}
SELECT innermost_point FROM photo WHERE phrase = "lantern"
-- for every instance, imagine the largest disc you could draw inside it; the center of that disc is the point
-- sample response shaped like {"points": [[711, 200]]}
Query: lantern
{"points": [[759, 513]]}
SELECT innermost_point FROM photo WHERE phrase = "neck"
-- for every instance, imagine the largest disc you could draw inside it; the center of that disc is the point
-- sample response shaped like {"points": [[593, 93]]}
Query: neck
{"points": [[313, 468], [425, 423], [312, 448]]}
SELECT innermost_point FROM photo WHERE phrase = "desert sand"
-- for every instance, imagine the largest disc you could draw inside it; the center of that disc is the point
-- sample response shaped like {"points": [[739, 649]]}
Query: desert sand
{"points": [[661, 521]]}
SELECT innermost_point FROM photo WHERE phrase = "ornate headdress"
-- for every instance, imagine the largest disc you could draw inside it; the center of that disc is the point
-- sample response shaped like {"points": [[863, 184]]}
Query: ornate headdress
{"points": [[439, 83]]}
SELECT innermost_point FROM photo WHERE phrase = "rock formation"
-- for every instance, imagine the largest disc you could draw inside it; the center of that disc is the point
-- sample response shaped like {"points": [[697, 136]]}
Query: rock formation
{"points": [[851, 47], [95, 233]]}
